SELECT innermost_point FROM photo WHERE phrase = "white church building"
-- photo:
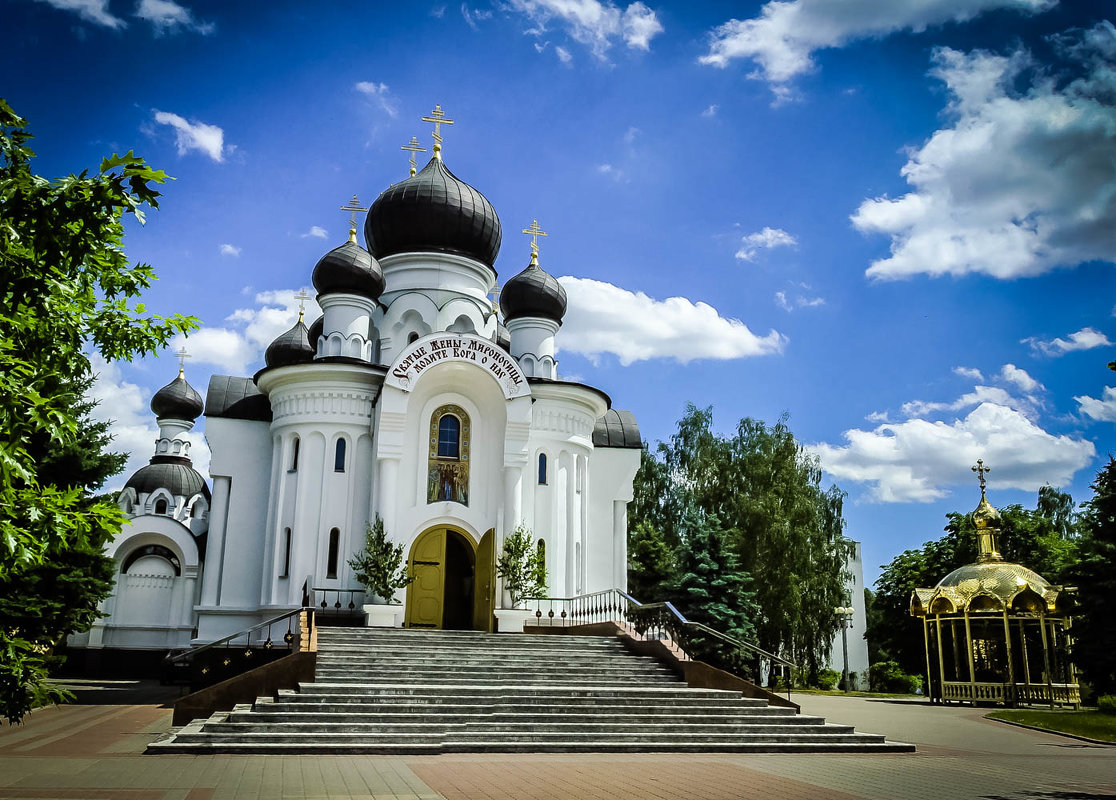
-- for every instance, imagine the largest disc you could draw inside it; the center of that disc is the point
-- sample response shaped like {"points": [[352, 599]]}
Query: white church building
{"points": [[415, 397]]}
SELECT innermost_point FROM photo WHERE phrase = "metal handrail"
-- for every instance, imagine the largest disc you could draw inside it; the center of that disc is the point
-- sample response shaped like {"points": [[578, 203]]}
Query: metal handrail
{"points": [[246, 634], [722, 636]]}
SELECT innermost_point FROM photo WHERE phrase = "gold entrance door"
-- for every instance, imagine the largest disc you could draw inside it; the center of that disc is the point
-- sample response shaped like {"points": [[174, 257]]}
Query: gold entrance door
{"points": [[485, 583], [426, 593]]}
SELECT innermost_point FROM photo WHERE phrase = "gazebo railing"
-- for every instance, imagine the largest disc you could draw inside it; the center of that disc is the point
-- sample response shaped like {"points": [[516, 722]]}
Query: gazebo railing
{"points": [[1019, 693]]}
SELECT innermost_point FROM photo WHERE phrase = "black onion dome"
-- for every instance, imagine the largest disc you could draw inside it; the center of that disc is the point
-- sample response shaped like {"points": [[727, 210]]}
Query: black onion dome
{"points": [[503, 337], [317, 328], [175, 475], [350, 269], [533, 293], [292, 347], [433, 211], [177, 400]]}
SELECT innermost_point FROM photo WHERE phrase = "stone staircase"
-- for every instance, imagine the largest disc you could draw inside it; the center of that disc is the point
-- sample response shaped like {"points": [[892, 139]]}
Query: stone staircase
{"points": [[426, 692]]}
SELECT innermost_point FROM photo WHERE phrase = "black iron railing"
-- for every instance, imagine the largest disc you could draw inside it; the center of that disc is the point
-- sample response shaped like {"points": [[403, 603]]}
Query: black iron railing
{"points": [[336, 606], [662, 622]]}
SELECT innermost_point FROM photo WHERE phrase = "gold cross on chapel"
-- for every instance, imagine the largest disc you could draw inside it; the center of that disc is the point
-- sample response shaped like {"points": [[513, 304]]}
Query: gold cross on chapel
{"points": [[182, 355], [414, 147], [534, 231], [302, 297], [353, 206], [438, 118], [980, 469]]}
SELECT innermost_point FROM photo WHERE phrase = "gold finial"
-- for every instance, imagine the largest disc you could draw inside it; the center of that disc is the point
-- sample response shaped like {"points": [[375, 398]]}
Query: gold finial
{"points": [[414, 147], [182, 355], [354, 206], [534, 231], [495, 296], [980, 469], [438, 117], [302, 297]]}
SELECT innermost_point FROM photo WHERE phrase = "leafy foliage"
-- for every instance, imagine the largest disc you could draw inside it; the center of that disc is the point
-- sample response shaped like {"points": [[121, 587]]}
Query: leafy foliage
{"points": [[521, 566], [65, 286], [888, 676], [1043, 539], [1095, 577], [379, 565], [766, 492], [650, 562]]}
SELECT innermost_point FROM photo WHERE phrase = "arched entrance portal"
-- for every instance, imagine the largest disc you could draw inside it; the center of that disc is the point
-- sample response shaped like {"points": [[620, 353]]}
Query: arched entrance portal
{"points": [[453, 585]]}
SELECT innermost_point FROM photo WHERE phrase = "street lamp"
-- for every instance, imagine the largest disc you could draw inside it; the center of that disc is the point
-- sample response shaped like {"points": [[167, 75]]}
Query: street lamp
{"points": [[845, 615]]}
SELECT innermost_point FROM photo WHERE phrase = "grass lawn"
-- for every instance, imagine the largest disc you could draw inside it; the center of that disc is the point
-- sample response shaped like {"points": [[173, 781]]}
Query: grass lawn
{"points": [[1091, 724]]}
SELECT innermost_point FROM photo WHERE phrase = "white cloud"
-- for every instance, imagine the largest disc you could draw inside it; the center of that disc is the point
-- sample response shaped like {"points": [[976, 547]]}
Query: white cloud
{"points": [[316, 232], [95, 11], [563, 54], [783, 37], [1101, 410], [614, 172], [914, 461], [167, 16], [380, 94], [474, 15], [765, 239], [1084, 339], [230, 250], [207, 139], [640, 26], [979, 394], [969, 372], [798, 301], [242, 342], [877, 416], [1019, 377], [710, 111], [437, 12], [602, 318], [1021, 183], [593, 23], [125, 406]]}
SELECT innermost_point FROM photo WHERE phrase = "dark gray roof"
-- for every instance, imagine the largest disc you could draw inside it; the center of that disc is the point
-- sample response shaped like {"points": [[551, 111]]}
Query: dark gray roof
{"points": [[533, 293], [433, 211], [236, 398], [290, 347], [177, 400], [316, 329], [503, 337], [180, 479], [617, 428], [350, 269]]}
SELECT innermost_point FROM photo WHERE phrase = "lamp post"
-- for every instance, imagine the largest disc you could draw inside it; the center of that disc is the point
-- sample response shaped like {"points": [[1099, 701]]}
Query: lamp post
{"points": [[845, 615]]}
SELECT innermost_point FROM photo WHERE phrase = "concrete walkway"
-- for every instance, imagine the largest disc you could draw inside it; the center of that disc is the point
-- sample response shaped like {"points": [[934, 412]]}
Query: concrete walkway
{"points": [[93, 752]]}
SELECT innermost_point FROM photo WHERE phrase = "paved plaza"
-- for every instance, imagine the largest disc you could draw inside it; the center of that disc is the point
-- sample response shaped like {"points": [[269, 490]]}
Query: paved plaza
{"points": [[93, 751]]}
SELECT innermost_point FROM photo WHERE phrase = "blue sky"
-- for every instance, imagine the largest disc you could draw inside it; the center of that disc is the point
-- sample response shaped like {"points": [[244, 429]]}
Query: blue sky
{"points": [[894, 221]]}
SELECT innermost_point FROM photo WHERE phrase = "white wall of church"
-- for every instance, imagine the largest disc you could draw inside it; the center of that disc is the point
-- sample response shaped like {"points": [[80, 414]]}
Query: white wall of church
{"points": [[858, 644]]}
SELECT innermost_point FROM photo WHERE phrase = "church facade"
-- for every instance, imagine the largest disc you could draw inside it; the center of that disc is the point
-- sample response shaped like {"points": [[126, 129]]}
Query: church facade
{"points": [[415, 398]]}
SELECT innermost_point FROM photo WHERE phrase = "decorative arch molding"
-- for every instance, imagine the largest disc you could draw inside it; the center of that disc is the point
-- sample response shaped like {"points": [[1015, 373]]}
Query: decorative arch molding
{"points": [[161, 531], [152, 550], [443, 348], [448, 454]]}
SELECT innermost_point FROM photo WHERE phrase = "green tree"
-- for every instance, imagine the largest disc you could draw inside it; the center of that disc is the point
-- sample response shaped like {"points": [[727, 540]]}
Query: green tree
{"points": [[650, 563], [65, 287], [521, 566], [766, 492], [379, 566], [1094, 633]]}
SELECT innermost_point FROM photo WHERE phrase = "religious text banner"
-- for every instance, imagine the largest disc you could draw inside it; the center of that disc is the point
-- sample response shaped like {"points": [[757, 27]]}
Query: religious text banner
{"points": [[440, 348]]}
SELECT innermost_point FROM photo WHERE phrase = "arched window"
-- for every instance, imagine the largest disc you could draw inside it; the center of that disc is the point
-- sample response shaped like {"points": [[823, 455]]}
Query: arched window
{"points": [[152, 551], [286, 553], [334, 547], [413, 337], [339, 456], [449, 437], [294, 454], [161, 506], [448, 458], [542, 469]]}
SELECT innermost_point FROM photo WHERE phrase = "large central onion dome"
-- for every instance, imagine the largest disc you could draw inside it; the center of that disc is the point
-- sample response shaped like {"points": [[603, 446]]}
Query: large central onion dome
{"points": [[433, 211]]}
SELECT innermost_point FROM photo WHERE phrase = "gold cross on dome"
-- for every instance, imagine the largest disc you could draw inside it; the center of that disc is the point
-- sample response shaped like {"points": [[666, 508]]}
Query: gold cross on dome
{"points": [[534, 231], [495, 295], [980, 469], [353, 206], [438, 118], [302, 297], [182, 355], [414, 147]]}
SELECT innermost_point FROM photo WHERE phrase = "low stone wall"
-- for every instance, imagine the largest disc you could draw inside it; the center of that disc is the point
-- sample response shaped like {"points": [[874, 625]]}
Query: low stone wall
{"points": [[283, 673]]}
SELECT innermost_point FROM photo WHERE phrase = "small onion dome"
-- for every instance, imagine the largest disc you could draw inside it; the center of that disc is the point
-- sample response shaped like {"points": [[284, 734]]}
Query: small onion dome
{"points": [[177, 400], [317, 328], [503, 337], [533, 293], [433, 211], [177, 477], [292, 347], [986, 516], [350, 269]]}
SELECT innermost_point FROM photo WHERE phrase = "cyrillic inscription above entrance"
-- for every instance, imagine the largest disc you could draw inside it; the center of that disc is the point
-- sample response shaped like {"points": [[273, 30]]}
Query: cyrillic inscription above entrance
{"points": [[438, 348]]}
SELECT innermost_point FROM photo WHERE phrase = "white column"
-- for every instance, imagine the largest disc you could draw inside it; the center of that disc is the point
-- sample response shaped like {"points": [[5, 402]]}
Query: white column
{"points": [[513, 498], [386, 492], [218, 522], [620, 546], [565, 500]]}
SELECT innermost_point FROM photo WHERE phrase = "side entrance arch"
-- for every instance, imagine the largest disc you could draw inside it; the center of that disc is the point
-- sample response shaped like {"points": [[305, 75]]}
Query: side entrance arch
{"points": [[454, 580]]}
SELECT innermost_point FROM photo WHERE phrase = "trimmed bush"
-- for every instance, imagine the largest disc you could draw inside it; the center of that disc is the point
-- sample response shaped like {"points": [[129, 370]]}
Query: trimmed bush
{"points": [[888, 676], [1107, 704], [828, 679]]}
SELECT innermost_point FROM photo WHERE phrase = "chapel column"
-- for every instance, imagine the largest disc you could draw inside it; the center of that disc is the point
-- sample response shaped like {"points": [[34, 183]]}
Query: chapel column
{"points": [[215, 548]]}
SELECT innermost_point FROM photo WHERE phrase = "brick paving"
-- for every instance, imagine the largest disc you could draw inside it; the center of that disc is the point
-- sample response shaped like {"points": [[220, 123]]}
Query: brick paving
{"points": [[94, 752]]}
